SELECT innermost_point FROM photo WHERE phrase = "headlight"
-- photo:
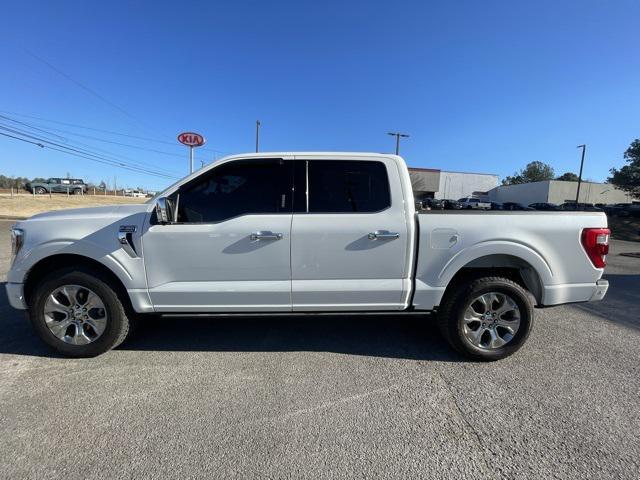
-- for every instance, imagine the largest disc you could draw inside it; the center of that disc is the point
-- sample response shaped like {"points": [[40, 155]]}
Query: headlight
{"points": [[17, 240]]}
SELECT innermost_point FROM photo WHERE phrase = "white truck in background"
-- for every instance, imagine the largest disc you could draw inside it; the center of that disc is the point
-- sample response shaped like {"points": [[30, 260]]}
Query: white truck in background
{"points": [[474, 203], [296, 233]]}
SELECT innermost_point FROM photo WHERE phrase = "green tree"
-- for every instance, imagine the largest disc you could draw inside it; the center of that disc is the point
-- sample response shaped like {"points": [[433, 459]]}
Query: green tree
{"points": [[568, 177], [533, 172], [627, 178]]}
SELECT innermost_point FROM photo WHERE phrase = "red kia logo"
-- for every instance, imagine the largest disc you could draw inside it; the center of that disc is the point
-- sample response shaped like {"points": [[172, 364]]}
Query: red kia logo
{"points": [[191, 139]]}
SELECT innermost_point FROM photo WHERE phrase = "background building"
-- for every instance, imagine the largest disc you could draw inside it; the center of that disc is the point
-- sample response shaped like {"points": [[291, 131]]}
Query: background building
{"points": [[555, 191], [432, 183]]}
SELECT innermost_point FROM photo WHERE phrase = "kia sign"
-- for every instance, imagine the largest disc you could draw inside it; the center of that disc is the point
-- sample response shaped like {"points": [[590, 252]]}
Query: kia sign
{"points": [[191, 139]]}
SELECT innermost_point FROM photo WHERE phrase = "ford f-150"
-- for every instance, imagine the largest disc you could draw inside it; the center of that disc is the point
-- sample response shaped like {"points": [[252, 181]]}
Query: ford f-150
{"points": [[298, 233]]}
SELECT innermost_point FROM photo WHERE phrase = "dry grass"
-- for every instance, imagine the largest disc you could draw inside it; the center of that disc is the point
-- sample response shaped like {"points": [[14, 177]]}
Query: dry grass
{"points": [[26, 205]]}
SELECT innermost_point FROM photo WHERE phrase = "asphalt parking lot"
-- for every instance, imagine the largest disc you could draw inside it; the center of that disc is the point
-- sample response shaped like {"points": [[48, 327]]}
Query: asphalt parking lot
{"points": [[324, 397]]}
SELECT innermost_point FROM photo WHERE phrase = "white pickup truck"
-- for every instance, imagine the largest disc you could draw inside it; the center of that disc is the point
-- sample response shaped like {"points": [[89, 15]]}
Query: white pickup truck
{"points": [[297, 233]]}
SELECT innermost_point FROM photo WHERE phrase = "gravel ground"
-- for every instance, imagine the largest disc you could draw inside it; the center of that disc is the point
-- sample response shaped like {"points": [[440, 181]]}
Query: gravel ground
{"points": [[329, 398]]}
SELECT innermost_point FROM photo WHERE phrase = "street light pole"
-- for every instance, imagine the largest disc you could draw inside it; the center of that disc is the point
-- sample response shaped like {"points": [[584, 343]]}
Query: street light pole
{"points": [[257, 134], [584, 148], [398, 135]]}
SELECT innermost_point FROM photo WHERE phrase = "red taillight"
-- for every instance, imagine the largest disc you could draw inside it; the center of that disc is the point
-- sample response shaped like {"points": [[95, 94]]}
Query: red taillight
{"points": [[596, 243]]}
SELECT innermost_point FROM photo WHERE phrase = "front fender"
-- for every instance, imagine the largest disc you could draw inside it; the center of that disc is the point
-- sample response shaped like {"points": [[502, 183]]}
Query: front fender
{"points": [[129, 270]]}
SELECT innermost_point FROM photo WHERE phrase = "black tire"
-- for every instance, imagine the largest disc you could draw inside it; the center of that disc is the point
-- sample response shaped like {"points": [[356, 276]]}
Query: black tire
{"points": [[460, 297], [117, 323], [40, 190], [77, 191]]}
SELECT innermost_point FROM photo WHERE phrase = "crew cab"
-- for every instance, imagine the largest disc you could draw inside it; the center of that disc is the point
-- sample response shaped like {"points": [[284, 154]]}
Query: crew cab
{"points": [[299, 233]]}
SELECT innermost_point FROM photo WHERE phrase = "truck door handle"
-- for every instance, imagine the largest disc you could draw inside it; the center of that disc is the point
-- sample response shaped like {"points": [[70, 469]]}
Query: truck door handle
{"points": [[265, 235], [383, 235]]}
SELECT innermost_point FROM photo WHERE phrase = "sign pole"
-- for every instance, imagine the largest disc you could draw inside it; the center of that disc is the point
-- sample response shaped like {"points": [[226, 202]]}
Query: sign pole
{"points": [[191, 140], [583, 147]]}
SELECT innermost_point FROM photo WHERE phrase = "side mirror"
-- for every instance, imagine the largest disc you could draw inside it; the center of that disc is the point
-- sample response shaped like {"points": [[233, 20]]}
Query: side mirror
{"points": [[163, 211]]}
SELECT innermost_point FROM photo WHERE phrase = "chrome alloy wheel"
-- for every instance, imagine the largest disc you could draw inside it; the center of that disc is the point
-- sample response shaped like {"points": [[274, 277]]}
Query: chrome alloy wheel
{"points": [[75, 314], [491, 320]]}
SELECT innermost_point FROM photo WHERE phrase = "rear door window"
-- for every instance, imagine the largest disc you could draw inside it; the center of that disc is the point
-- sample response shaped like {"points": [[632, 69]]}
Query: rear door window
{"points": [[338, 186]]}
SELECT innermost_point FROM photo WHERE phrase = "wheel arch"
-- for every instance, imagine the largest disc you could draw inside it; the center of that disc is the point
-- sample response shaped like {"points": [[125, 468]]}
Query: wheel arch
{"points": [[69, 261], [510, 266]]}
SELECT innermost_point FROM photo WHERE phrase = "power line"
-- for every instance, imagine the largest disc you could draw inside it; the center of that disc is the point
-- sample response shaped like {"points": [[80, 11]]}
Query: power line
{"points": [[115, 158], [71, 153], [111, 132], [98, 139], [22, 139], [84, 153], [87, 89]]}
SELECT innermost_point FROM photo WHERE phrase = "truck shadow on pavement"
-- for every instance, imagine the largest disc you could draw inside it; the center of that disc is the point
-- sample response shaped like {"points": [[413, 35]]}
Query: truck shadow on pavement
{"points": [[621, 303], [393, 336], [405, 337]]}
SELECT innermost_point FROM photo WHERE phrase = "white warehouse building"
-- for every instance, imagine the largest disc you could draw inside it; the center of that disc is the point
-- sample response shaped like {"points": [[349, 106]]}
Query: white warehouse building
{"points": [[558, 192], [432, 183]]}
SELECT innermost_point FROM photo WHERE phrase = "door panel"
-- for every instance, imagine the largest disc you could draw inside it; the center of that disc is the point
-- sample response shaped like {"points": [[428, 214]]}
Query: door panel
{"points": [[229, 246], [219, 267], [336, 264]]}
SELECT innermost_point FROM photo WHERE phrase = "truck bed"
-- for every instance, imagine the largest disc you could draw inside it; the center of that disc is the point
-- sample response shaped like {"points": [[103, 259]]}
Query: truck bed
{"points": [[544, 245]]}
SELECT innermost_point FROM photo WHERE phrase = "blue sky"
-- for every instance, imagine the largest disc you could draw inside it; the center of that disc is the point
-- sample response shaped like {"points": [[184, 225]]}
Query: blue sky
{"points": [[479, 85]]}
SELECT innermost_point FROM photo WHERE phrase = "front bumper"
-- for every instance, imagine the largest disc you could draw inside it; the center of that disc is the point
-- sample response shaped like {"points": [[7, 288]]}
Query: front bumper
{"points": [[15, 292]]}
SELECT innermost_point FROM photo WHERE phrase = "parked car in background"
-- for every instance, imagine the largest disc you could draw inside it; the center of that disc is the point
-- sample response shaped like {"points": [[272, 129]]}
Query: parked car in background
{"points": [[546, 206], [134, 193], [75, 186], [496, 206], [515, 206], [432, 204], [617, 209], [474, 203], [579, 207], [450, 204]]}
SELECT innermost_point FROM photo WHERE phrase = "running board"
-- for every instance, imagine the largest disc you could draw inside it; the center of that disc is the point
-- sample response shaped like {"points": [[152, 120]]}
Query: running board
{"points": [[297, 314]]}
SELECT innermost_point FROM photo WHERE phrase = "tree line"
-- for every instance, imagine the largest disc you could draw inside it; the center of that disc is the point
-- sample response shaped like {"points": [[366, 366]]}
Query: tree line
{"points": [[21, 182], [626, 178]]}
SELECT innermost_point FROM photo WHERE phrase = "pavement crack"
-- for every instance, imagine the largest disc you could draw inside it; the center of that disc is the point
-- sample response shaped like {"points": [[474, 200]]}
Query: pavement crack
{"points": [[464, 419]]}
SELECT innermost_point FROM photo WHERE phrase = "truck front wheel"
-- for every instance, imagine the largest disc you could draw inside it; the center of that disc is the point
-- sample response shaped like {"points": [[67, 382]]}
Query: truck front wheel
{"points": [[77, 313], [41, 190], [487, 319]]}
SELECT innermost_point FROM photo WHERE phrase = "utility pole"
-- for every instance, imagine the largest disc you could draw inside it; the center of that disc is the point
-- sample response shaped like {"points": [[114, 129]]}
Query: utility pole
{"points": [[398, 135], [584, 148], [257, 135]]}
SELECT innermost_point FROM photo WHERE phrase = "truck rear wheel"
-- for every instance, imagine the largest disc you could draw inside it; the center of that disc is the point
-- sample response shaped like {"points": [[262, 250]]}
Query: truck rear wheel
{"points": [[41, 190], [487, 319], [77, 313]]}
